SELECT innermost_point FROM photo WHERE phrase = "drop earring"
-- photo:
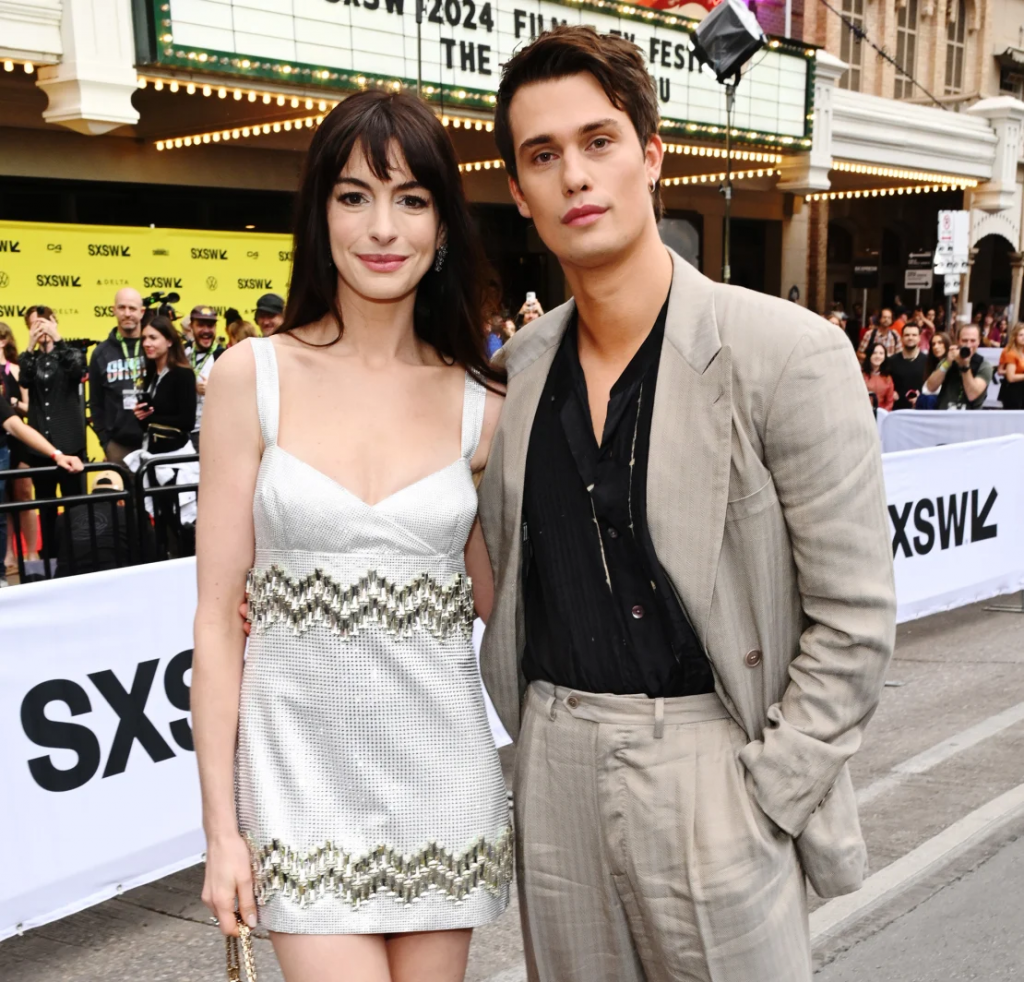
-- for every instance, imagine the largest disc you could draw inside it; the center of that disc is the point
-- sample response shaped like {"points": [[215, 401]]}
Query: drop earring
{"points": [[442, 252]]}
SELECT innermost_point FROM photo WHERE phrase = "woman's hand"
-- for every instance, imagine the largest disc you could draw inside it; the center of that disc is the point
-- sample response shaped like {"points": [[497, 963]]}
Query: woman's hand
{"points": [[71, 464], [142, 412], [229, 879]]}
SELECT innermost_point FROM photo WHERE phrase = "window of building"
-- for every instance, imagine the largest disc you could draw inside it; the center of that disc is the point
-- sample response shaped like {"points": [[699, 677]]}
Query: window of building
{"points": [[906, 48], [956, 43], [850, 48]]}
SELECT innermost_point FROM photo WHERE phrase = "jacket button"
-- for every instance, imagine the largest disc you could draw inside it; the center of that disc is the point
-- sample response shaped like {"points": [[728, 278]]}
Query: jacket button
{"points": [[572, 702], [638, 612], [753, 658]]}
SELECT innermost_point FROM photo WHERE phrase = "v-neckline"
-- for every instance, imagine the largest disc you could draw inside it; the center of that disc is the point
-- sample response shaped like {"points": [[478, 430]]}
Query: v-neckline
{"points": [[352, 494]]}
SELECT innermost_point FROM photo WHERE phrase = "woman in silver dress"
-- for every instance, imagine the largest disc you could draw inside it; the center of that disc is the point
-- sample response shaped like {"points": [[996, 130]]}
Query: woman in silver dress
{"points": [[353, 800]]}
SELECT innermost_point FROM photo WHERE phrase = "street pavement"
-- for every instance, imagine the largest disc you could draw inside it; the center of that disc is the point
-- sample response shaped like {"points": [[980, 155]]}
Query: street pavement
{"points": [[940, 779]]}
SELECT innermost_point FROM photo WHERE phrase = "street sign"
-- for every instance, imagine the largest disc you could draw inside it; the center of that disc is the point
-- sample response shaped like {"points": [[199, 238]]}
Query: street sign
{"points": [[919, 260], [951, 287], [865, 273], [918, 279], [953, 250]]}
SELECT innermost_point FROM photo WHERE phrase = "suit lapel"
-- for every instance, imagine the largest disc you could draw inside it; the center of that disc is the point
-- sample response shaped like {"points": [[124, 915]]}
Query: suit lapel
{"points": [[690, 451]]}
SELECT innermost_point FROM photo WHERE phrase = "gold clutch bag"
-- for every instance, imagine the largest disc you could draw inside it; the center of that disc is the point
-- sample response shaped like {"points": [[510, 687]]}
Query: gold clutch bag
{"points": [[244, 943]]}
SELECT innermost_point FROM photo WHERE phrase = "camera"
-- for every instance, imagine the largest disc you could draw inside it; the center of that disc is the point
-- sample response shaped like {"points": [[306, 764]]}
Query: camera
{"points": [[166, 303], [965, 352]]}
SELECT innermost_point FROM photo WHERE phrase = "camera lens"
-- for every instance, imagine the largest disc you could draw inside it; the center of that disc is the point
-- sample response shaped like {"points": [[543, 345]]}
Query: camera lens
{"points": [[965, 352]]}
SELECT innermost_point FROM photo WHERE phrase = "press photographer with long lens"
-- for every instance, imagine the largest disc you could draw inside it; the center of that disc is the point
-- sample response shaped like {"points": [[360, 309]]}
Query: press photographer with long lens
{"points": [[963, 376], [51, 382], [115, 365], [204, 350]]}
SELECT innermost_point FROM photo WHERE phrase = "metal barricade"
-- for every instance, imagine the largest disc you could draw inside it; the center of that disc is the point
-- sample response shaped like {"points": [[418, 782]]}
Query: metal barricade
{"points": [[60, 557], [171, 539]]}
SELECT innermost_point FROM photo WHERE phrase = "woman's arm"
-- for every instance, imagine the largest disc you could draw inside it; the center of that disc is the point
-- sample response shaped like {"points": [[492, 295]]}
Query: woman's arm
{"points": [[230, 459], [1012, 373], [175, 401], [35, 440], [478, 564]]}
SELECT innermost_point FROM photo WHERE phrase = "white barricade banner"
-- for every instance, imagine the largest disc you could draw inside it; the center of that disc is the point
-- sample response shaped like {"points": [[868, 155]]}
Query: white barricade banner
{"points": [[99, 791], [911, 429], [955, 516], [99, 785]]}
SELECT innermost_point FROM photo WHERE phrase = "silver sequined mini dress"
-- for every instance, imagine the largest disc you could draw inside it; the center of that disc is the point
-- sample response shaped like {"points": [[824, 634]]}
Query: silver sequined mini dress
{"points": [[367, 782]]}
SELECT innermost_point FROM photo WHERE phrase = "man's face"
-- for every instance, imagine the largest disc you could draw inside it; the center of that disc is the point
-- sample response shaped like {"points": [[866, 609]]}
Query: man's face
{"points": [[128, 310], [268, 323], [584, 179], [911, 337], [970, 337], [885, 318], [204, 332]]}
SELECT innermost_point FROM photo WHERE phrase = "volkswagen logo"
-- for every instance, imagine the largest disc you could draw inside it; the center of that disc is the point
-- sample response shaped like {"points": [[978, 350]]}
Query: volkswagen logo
{"points": [[4, 279], [211, 282]]}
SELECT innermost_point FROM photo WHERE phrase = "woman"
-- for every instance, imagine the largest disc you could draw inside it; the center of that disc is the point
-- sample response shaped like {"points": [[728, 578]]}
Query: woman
{"points": [[937, 354], [166, 405], [18, 489], [1011, 367], [239, 330], [877, 378], [338, 462], [51, 385]]}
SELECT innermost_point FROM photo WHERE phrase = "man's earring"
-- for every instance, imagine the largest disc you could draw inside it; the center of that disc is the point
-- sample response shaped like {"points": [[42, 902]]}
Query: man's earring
{"points": [[440, 257]]}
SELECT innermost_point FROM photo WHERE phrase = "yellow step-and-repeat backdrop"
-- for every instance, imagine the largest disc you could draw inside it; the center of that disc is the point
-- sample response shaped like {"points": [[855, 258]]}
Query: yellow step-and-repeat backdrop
{"points": [[77, 269]]}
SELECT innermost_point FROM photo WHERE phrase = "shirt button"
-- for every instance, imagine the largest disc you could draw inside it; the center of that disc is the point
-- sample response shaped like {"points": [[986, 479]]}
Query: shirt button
{"points": [[638, 612], [753, 658], [613, 533]]}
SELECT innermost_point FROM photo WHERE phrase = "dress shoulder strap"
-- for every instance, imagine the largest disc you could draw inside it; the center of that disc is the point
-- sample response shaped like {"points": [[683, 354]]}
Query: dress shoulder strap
{"points": [[473, 403], [268, 393]]}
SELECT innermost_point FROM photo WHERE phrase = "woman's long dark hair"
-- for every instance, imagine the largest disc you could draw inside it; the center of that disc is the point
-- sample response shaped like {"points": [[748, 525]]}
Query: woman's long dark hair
{"points": [[175, 353], [932, 363], [866, 366], [450, 312]]}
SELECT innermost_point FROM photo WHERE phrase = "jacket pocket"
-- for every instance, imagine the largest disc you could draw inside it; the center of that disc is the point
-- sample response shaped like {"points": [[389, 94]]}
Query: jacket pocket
{"points": [[752, 504]]}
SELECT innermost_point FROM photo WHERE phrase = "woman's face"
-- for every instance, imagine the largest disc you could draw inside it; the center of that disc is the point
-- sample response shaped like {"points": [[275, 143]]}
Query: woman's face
{"points": [[938, 347], [877, 356], [384, 234], [154, 343]]}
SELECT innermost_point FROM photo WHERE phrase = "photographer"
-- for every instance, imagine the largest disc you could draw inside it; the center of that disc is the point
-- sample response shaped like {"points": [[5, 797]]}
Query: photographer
{"points": [[531, 310], [166, 405], [963, 376], [51, 381], [113, 369], [202, 353]]}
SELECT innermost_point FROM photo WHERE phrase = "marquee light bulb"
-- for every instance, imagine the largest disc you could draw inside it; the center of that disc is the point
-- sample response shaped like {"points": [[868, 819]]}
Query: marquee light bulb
{"points": [[190, 88], [8, 66], [222, 93], [207, 91], [174, 86], [158, 85]]}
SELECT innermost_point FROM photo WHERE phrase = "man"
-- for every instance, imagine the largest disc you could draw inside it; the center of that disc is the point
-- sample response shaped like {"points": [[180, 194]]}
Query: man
{"points": [[963, 376], [884, 334], [907, 367], [685, 516], [269, 313], [115, 366], [202, 353]]}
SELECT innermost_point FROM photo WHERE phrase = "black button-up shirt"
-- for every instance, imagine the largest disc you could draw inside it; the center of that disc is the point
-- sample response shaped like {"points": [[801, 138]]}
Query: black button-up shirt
{"points": [[601, 614], [53, 380]]}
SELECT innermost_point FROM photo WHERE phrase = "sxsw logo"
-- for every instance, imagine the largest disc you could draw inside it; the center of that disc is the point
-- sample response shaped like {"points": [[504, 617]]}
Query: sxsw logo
{"points": [[110, 250], [12, 310], [946, 521], [10, 245], [133, 725], [285, 257], [103, 312], [209, 253], [244, 284], [54, 279], [162, 282]]}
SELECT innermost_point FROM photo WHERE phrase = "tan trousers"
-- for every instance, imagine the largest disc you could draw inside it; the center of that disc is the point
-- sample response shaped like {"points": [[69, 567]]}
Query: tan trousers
{"points": [[641, 854]]}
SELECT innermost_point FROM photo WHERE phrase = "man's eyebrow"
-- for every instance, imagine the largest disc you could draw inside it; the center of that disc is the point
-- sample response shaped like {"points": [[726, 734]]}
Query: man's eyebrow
{"points": [[599, 124]]}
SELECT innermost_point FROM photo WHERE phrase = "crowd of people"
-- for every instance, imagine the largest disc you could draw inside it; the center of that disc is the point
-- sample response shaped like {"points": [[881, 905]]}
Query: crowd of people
{"points": [[911, 359], [147, 383]]}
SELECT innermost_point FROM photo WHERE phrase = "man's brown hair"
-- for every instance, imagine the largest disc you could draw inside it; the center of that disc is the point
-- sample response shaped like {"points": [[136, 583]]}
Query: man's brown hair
{"points": [[617, 65]]}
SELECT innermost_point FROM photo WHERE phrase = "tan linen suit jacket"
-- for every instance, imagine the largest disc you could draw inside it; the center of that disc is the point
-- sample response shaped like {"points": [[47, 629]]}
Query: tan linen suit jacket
{"points": [[767, 510]]}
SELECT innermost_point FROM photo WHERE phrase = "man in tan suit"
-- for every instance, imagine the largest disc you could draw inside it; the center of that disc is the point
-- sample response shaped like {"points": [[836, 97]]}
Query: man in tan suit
{"points": [[694, 602]]}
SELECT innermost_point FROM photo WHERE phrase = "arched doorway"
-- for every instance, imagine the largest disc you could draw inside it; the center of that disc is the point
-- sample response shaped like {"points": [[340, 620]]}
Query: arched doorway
{"points": [[990, 273]]}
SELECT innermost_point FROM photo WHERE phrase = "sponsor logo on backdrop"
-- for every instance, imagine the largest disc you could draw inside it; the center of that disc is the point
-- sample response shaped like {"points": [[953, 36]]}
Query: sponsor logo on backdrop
{"points": [[10, 245], [5, 280], [110, 250], [286, 256], [252, 255], [58, 279], [951, 517], [162, 282], [54, 247], [211, 282], [13, 310], [209, 253], [133, 726], [250, 284], [161, 252], [104, 312]]}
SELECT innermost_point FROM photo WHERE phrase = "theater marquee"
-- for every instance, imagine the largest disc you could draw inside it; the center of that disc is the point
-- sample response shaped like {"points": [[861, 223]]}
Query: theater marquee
{"points": [[348, 44]]}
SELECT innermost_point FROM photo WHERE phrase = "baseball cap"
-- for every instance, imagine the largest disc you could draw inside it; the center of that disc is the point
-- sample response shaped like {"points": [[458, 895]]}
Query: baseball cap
{"points": [[201, 312], [270, 303]]}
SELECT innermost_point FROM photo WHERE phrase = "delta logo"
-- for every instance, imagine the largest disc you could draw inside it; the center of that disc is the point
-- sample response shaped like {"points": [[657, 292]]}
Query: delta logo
{"points": [[57, 279], [110, 250], [209, 253], [162, 282], [10, 245], [247, 284]]}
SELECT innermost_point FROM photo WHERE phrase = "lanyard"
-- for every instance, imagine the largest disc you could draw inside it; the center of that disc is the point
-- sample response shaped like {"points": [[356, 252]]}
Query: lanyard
{"points": [[124, 350], [198, 366]]}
